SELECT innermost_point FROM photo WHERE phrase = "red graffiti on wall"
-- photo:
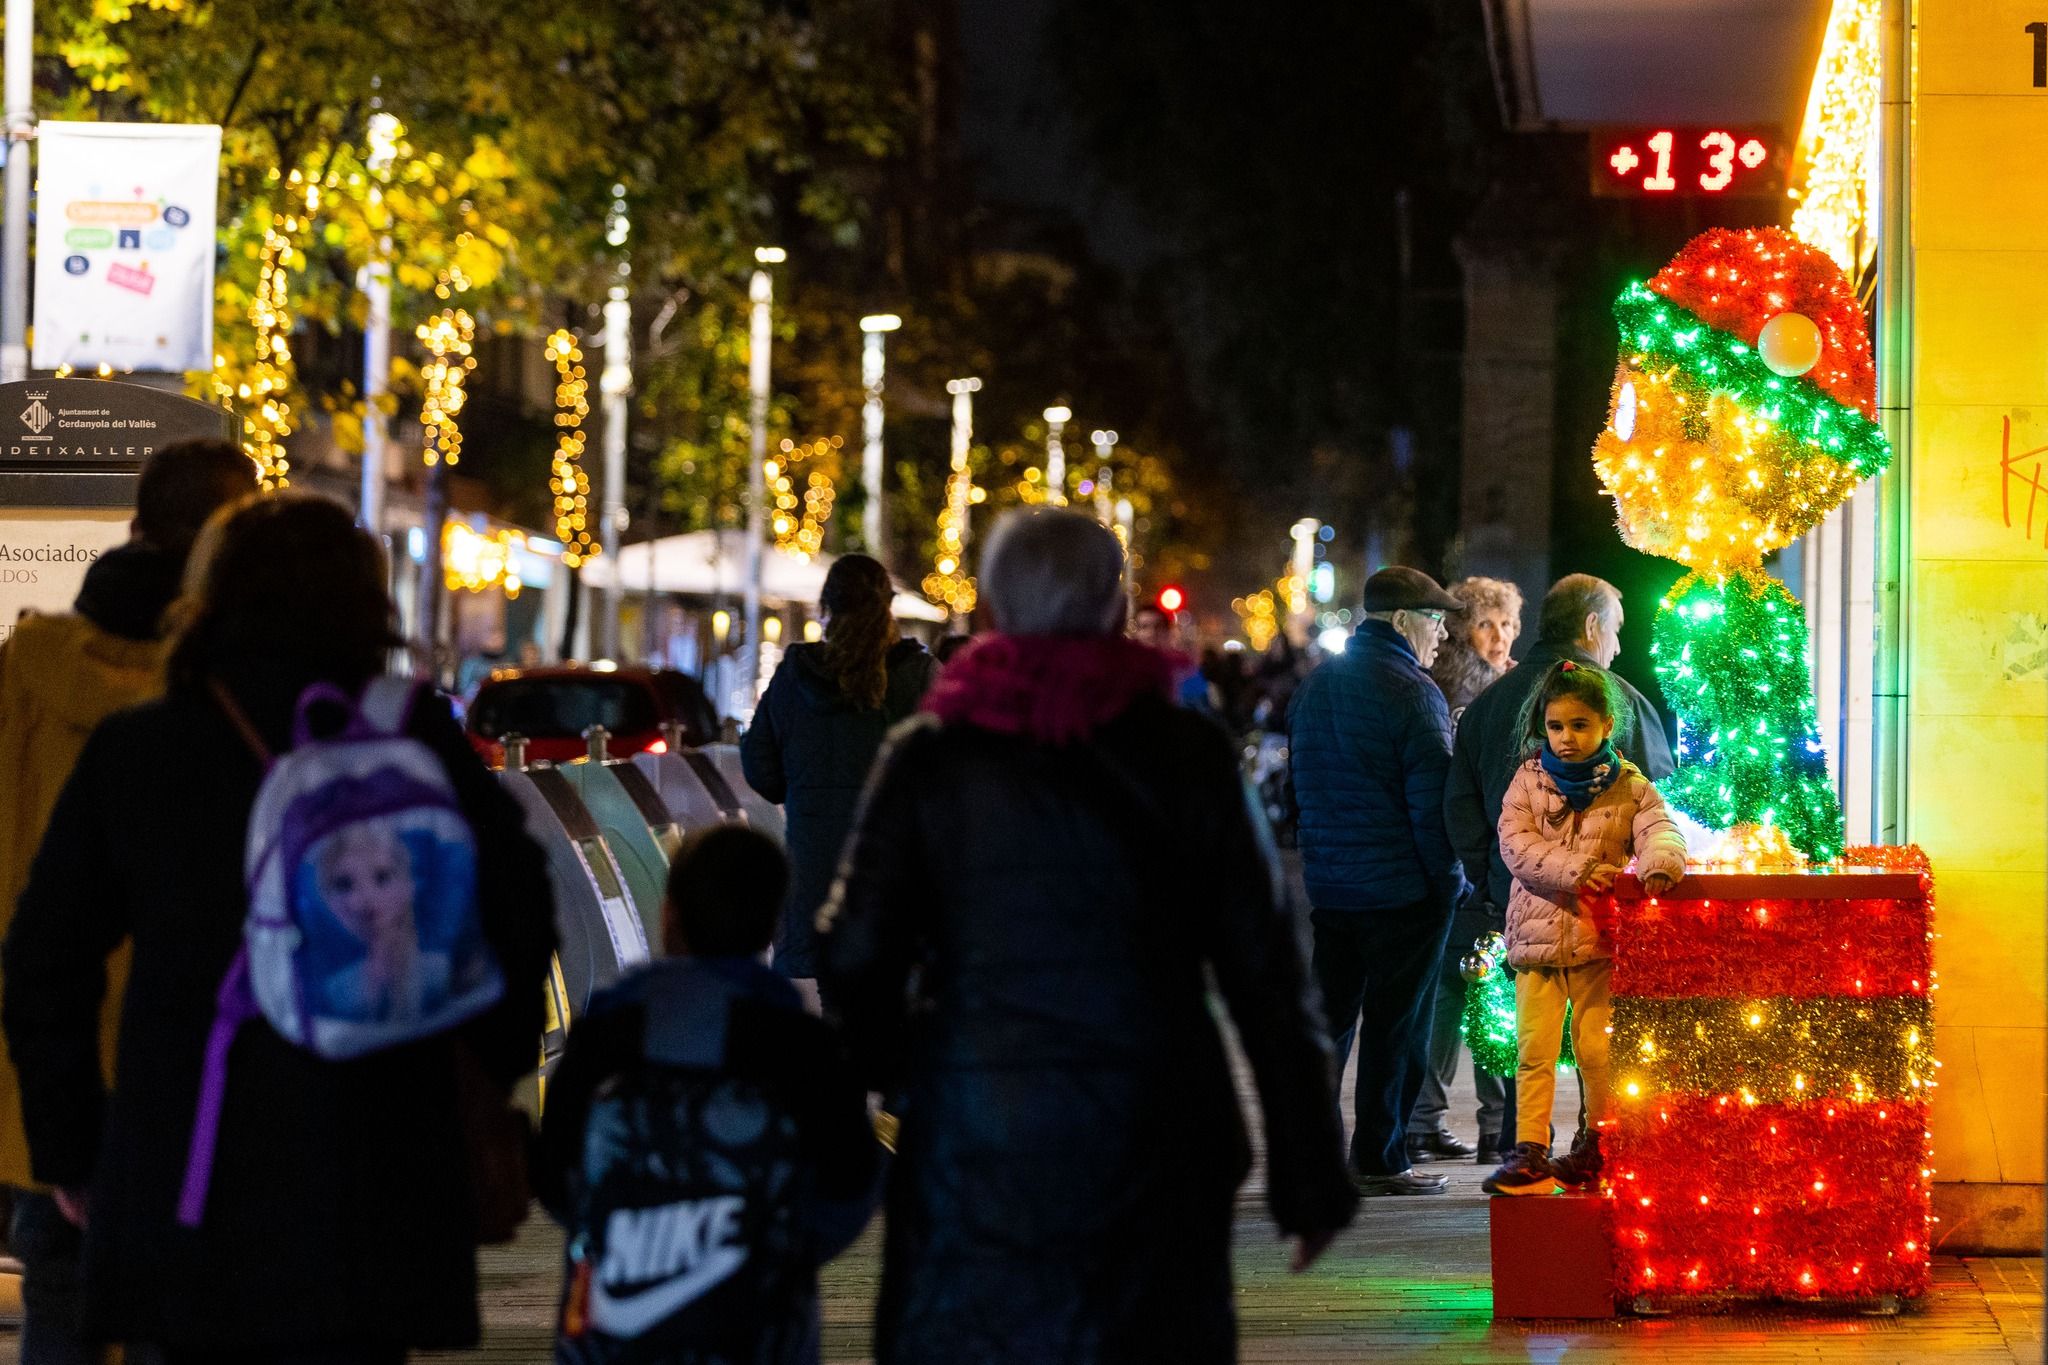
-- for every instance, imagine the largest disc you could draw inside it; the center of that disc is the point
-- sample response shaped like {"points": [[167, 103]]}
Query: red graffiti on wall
{"points": [[2013, 468]]}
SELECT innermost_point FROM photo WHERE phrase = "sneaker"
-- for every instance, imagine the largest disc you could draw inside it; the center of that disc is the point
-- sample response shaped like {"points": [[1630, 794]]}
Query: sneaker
{"points": [[1583, 1165], [1526, 1171], [1410, 1181], [1441, 1145]]}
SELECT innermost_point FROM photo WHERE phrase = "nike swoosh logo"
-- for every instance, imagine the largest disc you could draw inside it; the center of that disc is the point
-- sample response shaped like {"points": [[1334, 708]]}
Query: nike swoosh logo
{"points": [[632, 1314]]}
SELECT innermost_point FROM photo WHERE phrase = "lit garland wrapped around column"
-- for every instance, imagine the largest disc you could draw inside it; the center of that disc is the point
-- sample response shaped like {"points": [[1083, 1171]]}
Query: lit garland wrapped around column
{"points": [[1742, 414], [450, 339], [264, 391], [949, 583], [568, 481], [799, 521]]}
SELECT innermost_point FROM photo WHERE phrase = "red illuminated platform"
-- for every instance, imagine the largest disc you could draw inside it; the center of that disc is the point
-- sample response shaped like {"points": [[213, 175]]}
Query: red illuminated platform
{"points": [[1553, 1256]]}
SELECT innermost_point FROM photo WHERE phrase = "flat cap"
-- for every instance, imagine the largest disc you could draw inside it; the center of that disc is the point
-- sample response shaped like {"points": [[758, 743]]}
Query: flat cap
{"points": [[1397, 588]]}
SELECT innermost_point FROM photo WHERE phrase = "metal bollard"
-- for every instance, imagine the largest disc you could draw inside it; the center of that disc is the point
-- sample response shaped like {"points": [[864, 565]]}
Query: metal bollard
{"points": [[672, 735], [599, 740], [515, 753]]}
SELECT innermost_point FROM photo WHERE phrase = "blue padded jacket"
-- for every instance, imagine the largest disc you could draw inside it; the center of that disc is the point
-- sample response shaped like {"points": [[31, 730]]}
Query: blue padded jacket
{"points": [[1369, 739]]}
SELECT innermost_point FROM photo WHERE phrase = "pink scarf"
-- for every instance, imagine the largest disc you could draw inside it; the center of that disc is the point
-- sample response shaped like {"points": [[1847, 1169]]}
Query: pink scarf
{"points": [[1054, 689]]}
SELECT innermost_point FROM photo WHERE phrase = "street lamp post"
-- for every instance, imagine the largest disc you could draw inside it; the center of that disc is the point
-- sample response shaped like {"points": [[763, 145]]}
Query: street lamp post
{"points": [[960, 487], [1105, 477], [1305, 533], [761, 290], [376, 286], [18, 86], [874, 524], [1056, 419], [615, 384]]}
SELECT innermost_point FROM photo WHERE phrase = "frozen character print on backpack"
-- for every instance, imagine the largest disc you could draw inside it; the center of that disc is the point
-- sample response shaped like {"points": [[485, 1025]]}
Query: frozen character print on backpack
{"points": [[362, 930], [383, 972]]}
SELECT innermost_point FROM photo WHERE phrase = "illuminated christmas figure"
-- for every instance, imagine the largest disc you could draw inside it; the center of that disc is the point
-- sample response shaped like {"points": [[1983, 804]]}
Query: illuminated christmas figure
{"points": [[1742, 414]]}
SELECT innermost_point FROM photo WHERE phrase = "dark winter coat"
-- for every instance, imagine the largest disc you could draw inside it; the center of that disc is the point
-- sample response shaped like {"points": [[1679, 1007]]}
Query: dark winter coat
{"points": [[696, 1080], [1071, 1139], [1369, 738], [809, 750], [339, 1207], [1490, 747]]}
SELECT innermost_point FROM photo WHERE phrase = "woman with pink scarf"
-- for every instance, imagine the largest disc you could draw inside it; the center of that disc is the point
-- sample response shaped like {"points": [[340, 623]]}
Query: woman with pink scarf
{"points": [[1048, 865]]}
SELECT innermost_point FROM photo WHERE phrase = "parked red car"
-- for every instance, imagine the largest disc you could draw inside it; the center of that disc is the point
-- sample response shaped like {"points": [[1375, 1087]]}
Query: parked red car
{"points": [[553, 707]]}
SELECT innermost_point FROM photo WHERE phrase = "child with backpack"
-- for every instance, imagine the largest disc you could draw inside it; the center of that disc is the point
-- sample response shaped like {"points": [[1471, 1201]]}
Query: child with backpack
{"points": [[703, 1144], [1576, 816]]}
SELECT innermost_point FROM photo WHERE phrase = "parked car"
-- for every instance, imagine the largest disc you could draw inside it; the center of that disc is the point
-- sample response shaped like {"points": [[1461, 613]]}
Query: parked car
{"points": [[553, 707]]}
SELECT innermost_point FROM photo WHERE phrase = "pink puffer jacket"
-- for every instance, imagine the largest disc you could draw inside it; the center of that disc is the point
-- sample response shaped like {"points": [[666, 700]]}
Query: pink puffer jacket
{"points": [[1549, 847]]}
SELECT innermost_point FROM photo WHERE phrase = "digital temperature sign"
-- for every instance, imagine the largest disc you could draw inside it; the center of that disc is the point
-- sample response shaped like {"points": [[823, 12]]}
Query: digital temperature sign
{"points": [[1671, 163]]}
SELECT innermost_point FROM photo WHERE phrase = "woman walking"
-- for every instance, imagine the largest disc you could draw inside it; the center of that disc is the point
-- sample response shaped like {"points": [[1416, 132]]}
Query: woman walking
{"points": [[1057, 856], [817, 732], [339, 1226]]}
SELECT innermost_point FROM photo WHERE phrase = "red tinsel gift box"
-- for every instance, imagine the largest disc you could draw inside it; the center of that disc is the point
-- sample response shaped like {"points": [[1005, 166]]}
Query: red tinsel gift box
{"points": [[1772, 1054]]}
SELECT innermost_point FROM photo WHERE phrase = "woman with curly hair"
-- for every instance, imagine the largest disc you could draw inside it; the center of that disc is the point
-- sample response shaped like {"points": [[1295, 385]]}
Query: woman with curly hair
{"points": [[1474, 653], [817, 732], [1482, 638]]}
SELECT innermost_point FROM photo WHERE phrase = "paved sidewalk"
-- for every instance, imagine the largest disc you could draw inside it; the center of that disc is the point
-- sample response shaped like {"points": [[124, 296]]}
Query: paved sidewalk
{"points": [[1409, 1282]]}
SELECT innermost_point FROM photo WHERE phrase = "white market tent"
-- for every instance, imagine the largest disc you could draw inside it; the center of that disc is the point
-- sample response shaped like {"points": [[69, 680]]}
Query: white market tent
{"points": [[714, 564]]}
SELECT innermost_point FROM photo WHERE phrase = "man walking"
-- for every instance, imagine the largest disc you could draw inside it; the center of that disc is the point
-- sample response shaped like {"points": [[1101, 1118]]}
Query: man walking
{"points": [[1369, 742], [59, 677]]}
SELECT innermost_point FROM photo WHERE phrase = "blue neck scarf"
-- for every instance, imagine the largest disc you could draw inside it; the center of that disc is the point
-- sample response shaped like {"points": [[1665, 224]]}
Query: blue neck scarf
{"points": [[1582, 781]]}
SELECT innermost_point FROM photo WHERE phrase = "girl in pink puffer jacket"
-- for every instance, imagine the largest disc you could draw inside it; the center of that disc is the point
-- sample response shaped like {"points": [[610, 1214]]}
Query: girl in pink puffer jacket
{"points": [[1575, 817]]}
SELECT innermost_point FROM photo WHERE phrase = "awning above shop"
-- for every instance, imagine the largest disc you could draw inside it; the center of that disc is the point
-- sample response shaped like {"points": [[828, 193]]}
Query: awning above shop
{"points": [[1650, 61], [714, 564]]}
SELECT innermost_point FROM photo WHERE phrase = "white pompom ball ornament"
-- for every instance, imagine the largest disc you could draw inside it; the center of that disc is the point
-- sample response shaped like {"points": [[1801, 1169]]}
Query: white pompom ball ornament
{"points": [[1789, 344]]}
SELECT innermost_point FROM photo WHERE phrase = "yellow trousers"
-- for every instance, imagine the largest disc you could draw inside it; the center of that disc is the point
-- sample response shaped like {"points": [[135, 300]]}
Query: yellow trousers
{"points": [[1541, 994]]}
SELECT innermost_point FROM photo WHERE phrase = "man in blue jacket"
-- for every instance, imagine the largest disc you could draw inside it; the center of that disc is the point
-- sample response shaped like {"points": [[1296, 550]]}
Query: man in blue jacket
{"points": [[1370, 742]]}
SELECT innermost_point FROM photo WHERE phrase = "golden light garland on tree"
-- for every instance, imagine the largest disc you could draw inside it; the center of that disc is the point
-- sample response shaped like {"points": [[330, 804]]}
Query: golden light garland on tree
{"points": [[569, 482], [263, 392], [949, 583], [799, 520], [450, 338]]}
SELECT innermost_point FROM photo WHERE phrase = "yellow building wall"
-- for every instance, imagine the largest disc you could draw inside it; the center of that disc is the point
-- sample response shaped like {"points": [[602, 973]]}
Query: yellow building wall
{"points": [[1977, 597]]}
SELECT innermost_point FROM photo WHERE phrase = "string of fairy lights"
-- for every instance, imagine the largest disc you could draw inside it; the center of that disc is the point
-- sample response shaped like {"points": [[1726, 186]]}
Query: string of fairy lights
{"points": [[803, 495], [450, 339], [568, 481]]}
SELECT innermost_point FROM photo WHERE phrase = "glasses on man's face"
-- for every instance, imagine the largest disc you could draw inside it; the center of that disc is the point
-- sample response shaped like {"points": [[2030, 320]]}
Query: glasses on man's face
{"points": [[1435, 618]]}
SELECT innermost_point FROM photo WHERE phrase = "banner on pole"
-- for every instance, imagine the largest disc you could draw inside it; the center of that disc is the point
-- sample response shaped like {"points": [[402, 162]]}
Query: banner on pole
{"points": [[125, 245]]}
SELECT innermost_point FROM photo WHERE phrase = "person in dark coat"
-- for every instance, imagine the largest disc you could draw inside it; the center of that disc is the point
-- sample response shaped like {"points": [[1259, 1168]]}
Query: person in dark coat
{"points": [[1581, 620], [817, 732], [339, 1225], [1369, 738], [1057, 857]]}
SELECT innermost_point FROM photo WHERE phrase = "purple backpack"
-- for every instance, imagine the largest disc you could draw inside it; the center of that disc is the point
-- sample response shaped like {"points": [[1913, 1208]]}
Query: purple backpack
{"points": [[362, 930]]}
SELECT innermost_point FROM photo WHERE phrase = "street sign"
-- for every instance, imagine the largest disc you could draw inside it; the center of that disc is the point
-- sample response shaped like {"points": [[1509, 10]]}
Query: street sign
{"points": [[1671, 162], [80, 442]]}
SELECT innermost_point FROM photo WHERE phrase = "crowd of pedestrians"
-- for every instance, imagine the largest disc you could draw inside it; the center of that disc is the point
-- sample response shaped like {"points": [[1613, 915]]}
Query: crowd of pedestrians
{"points": [[1013, 881]]}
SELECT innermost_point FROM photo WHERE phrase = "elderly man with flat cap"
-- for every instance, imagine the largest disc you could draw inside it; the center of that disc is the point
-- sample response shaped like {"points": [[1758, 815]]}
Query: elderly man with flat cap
{"points": [[1370, 742]]}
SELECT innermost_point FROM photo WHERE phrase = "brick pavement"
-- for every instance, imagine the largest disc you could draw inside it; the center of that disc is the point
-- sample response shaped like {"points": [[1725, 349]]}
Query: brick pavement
{"points": [[1409, 1282]]}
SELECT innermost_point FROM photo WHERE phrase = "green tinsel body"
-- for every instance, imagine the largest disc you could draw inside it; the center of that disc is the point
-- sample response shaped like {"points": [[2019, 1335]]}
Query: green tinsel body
{"points": [[1732, 660], [1488, 1024]]}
